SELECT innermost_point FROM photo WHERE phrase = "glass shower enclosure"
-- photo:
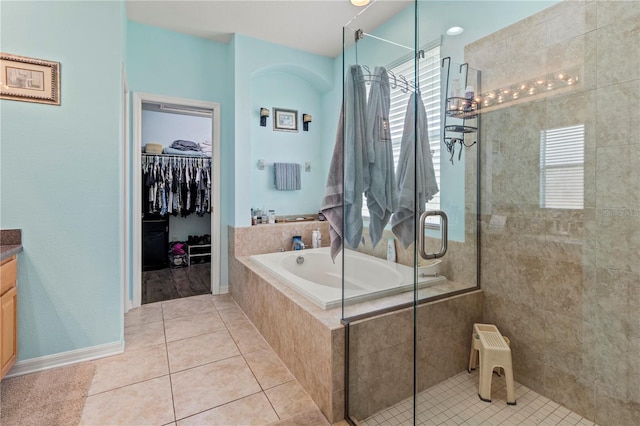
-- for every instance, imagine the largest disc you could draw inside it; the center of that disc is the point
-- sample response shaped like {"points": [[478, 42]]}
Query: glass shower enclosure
{"points": [[531, 133], [410, 129]]}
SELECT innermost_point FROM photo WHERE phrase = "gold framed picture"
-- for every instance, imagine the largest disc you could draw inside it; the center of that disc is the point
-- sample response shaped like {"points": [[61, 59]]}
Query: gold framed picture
{"points": [[285, 120], [29, 79]]}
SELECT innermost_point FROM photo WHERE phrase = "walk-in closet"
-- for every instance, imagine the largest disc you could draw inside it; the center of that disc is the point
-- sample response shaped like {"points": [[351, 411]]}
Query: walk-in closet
{"points": [[176, 201]]}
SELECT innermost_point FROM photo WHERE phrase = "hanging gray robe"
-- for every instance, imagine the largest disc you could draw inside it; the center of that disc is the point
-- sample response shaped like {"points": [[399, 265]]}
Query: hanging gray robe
{"points": [[381, 194], [416, 177]]}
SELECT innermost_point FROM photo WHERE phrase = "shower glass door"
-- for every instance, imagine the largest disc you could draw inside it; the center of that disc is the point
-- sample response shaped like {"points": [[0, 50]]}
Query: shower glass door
{"points": [[410, 217]]}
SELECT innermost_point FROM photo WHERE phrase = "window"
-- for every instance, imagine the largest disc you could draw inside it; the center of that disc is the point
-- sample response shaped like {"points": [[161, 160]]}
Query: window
{"points": [[562, 168], [429, 82]]}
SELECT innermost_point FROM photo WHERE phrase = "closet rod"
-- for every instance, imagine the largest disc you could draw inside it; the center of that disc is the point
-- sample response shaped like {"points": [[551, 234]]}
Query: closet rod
{"points": [[193, 157]]}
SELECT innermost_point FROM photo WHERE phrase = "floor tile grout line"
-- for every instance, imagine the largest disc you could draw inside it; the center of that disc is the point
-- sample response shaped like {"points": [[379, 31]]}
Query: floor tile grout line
{"points": [[218, 406], [128, 384], [166, 346]]}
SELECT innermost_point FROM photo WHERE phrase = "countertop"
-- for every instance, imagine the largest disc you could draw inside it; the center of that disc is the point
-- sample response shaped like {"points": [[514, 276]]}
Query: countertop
{"points": [[10, 242]]}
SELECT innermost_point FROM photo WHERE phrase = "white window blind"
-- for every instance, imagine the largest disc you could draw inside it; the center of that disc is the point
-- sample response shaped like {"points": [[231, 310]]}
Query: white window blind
{"points": [[429, 82], [562, 168]]}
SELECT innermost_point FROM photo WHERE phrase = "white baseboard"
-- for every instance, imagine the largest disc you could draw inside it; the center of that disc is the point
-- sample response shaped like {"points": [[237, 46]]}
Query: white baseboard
{"points": [[46, 362], [224, 290]]}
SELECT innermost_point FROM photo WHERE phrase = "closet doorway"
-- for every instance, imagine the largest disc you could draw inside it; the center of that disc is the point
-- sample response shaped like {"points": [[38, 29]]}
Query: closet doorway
{"points": [[175, 198]]}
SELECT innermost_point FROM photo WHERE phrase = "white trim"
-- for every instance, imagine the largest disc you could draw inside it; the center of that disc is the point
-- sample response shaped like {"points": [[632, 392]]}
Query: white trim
{"points": [[47, 362], [124, 214], [136, 265]]}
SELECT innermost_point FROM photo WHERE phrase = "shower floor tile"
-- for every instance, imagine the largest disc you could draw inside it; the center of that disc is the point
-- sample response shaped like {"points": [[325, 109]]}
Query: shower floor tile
{"points": [[455, 402]]}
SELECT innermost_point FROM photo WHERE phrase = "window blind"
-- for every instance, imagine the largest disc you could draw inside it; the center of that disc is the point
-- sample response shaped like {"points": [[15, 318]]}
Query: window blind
{"points": [[428, 80], [562, 168]]}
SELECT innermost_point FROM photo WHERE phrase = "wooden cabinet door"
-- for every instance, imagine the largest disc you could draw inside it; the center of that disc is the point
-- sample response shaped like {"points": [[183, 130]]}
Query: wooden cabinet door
{"points": [[8, 330]]}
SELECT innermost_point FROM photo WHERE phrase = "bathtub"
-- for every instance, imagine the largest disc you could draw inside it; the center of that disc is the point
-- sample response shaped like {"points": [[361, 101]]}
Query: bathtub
{"points": [[312, 273]]}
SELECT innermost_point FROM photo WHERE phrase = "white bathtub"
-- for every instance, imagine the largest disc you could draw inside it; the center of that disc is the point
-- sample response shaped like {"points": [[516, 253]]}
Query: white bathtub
{"points": [[320, 280]]}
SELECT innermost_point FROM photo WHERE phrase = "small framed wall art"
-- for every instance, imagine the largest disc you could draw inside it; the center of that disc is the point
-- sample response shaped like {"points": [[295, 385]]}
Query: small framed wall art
{"points": [[29, 79], [285, 120]]}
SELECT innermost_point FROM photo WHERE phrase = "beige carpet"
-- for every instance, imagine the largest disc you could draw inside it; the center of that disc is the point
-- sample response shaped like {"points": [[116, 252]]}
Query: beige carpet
{"points": [[52, 397]]}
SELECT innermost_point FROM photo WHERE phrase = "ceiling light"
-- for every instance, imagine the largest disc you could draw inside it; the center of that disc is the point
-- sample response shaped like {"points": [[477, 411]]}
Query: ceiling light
{"points": [[359, 2], [455, 31]]}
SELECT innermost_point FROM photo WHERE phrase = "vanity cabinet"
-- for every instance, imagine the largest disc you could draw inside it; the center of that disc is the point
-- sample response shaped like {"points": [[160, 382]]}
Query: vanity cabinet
{"points": [[8, 314]]}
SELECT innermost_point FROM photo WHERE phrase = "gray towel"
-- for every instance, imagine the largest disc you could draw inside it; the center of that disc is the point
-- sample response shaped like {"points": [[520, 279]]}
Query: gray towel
{"points": [[348, 177], [287, 176], [381, 194], [415, 167], [333, 195]]}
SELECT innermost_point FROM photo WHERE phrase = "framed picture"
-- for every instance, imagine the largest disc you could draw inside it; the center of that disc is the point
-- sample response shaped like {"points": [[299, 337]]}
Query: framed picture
{"points": [[285, 120], [29, 79]]}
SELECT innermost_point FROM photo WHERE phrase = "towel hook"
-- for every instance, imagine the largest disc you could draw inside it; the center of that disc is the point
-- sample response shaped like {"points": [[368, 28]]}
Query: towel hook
{"points": [[404, 89], [395, 82]]}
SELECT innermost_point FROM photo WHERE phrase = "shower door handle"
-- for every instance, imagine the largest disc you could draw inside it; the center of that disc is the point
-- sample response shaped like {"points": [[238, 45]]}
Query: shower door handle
{"points": [[443, 228]]}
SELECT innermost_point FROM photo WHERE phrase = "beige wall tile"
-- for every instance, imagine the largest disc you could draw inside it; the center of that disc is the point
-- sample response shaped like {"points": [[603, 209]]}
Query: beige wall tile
{"points": [[569, 390], [618, 56], [612, 12], [614, 128], [617, 177], [575, 21], [618, 236], [616, 411]]}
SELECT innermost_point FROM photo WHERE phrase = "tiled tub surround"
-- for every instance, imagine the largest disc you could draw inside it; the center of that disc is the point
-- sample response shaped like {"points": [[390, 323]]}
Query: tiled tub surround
{"points": [[565, 284], [310, 341]]}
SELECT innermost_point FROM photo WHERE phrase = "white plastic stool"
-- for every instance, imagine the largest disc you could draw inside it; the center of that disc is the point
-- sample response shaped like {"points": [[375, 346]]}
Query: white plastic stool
{"points": [[494, 352]]}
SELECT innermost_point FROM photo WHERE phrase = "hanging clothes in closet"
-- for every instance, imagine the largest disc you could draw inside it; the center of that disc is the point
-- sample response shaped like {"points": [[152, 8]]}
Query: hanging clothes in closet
{"points": [[176, 185]]}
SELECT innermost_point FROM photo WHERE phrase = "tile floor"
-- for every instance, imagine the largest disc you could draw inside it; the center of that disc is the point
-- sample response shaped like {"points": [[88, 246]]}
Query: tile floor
{"points": [[195, 361], [455, 402]]}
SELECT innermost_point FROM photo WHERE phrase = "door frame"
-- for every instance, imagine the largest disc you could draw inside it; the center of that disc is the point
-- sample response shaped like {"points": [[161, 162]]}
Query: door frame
{"points": [[136, 182]]}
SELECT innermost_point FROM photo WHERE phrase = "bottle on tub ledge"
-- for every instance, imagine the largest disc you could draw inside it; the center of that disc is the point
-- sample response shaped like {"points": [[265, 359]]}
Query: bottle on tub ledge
{"points": [[391, 250], [316, 239]]}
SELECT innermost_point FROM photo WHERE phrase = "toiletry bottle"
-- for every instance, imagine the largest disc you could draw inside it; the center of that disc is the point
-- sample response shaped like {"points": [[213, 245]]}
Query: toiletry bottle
{"points": [[469, 93], [272, 216], [314, 239], [391, 250], [319, 239]]}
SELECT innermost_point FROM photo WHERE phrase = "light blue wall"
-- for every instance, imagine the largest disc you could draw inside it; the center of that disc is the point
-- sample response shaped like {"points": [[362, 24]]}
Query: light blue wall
{"points": [[164, 128], [283, 90], [253, 57], [60, 176], [167, 63]]}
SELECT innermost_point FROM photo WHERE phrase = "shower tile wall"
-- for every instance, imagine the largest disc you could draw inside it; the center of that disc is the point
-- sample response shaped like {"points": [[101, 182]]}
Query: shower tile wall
{"points": [[564, 284]]}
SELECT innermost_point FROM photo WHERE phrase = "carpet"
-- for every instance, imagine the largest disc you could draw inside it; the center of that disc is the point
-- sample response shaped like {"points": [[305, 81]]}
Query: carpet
{"points": [[48, 398]]}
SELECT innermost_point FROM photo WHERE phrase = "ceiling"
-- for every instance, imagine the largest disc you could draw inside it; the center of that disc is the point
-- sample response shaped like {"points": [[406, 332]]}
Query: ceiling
{"points": [[311, 25]]}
